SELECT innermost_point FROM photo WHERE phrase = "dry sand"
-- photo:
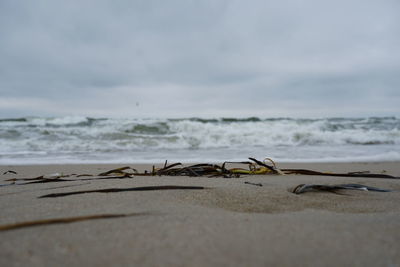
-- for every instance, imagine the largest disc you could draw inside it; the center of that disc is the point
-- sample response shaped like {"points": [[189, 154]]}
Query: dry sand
{"points": [[229, 223]]}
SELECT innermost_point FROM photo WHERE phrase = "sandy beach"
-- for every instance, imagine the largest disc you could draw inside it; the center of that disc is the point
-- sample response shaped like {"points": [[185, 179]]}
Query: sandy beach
{"points": [[228, 222]]}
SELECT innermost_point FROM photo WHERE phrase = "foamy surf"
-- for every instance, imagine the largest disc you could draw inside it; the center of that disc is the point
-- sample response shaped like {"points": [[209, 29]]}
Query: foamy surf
{"points": [[35, 140]]}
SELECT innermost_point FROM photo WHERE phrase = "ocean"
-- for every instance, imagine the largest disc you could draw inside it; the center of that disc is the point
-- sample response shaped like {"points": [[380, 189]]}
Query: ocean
{"points": [[63, 140]]}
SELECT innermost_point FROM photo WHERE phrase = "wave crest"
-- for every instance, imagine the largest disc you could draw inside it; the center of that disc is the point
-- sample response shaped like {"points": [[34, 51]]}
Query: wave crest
{"points": [[93, 137]]}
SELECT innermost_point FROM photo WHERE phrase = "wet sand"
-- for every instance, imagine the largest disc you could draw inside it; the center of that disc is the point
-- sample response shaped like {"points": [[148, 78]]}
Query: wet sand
{"points": [[229, 222]]}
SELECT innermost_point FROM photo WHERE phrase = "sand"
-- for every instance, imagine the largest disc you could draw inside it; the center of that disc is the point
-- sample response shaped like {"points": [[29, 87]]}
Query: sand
{"points": [[228, 223]]}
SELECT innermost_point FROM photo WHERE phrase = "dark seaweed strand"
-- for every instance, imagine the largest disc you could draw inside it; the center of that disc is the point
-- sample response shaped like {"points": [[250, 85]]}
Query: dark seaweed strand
{"points": [[302, 188], [166, 168], [357, 175], [263, 164], [116, 190], [257, 184], [118, 170], [9, 171], [361, 186], [14, 226], [199, 170]]}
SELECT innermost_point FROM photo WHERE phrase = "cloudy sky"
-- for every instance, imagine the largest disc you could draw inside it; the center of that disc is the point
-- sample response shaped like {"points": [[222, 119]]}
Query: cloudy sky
{"points": [[206, 58]]}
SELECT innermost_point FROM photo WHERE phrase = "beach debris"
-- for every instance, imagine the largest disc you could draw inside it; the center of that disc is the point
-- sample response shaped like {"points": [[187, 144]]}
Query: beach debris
{"points": [[253, 167], [303, 188], [349, 174], [19, 225], [9, 171], [214, 170], [359, 172], [42, 179], [257, 184], [49, 188], [117, 190], [120, 171], [39, 179], [193, 170]]}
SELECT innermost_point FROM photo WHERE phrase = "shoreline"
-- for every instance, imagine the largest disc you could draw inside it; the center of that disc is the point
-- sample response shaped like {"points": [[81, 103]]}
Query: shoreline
{"points": [[184, 162]]}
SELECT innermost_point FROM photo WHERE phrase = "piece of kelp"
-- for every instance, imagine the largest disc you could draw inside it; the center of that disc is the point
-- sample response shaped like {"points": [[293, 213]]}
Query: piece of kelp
{"points": [[117, 190], [262, 168], [13, 226], [196, 170], [256, 184], [120, 171], [9, 171], [350, 174], [254, 167], [49, 188], [214, 170], [40, 179], [303, 188]]}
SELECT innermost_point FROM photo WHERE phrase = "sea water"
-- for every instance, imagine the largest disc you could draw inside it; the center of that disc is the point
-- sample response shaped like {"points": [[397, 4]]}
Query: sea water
{"points": [[59, 140]]}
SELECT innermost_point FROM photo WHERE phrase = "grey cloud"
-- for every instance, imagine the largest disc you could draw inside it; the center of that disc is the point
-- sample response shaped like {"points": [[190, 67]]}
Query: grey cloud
{"points": [[215, 54]]}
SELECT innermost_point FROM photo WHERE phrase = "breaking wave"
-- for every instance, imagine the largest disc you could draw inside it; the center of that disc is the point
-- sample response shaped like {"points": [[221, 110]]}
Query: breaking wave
{"points": [[83, 139]]}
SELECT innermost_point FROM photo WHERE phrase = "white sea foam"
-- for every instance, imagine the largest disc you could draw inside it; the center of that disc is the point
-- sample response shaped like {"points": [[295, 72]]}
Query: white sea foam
{"points": [[81, 139]]}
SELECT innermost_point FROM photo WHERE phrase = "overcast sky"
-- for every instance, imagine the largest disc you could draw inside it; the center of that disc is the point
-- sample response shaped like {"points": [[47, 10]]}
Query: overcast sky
{"points": [[206, 58]]}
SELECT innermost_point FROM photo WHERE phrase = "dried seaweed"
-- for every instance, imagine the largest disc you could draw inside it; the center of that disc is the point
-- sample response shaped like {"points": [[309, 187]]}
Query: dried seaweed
{"points": [[117, 190], [350, 174], [9, 171], [120, 171], [214, 170], [14, 226], [204, 169], [303, 188], [41, 179], [256, 184], [253, 167], [56, 177]]}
